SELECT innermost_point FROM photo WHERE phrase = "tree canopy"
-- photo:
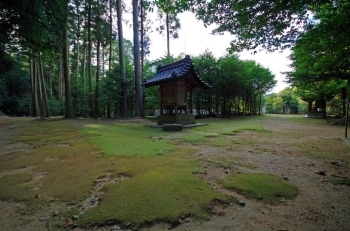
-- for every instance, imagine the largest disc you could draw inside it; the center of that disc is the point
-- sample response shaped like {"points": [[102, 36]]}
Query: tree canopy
{"points": [[318, 29]]}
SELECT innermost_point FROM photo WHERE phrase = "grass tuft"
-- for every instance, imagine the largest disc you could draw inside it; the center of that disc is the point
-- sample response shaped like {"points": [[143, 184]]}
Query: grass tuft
{"points": [[269, 188], [338, 180]]}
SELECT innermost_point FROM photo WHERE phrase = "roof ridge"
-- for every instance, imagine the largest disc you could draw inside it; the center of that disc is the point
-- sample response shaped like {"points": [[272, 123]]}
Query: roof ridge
{"points": [[173, 65]]}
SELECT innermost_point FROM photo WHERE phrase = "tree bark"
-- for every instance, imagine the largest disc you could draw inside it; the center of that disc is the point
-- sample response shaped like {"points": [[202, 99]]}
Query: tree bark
{"points": [[75, 95], [34, 89], [60, 81], [110, 58], [91, 106], [347, 117], [83, 67], [138, 78], [50, 75], [142, 36], [260, 104], [124, 106], [38, 77], [69, 106], [167, 34], [97, 87], [48, 114]]}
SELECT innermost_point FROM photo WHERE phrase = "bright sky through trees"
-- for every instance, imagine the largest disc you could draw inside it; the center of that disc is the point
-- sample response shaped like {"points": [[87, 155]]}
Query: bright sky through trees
{"points": [[194, 39]]}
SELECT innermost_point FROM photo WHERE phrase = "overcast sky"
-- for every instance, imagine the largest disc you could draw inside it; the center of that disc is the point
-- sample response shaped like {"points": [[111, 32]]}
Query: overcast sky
{"points": [[194, 39]]}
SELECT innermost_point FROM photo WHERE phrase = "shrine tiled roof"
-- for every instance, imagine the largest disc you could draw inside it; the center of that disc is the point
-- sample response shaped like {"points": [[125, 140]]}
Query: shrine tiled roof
{"points": [[177, 71]]}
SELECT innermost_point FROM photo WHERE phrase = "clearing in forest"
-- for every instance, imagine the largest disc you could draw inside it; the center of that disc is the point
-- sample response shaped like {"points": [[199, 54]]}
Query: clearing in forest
{"points": [[268, 172]]}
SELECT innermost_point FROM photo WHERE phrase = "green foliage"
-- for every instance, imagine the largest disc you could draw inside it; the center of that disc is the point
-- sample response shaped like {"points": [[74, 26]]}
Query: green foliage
{"points": [[152, 94], [274, 103], [56, 107], [335, 106], [321, 52], [269, 188], [173, 23], [258, 23], [290, 101], [232, 80], [262, 24], [14, 86]]}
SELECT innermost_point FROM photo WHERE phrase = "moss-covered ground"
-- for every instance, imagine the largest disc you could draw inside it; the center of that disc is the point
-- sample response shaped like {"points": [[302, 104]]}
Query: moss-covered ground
{"points": [[59, 160]]}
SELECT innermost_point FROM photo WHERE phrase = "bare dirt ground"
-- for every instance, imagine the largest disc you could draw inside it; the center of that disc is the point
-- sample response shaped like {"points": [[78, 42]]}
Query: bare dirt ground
{"points": [[320, 204]]}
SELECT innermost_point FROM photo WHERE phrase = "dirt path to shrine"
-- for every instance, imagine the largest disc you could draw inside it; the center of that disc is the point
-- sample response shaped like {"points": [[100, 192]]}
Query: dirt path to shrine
{"points": [[305, 154]]}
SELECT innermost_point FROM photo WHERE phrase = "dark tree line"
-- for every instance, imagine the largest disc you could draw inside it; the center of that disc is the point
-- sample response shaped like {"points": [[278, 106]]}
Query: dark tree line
{"points": [[237, 85], [70, 57]]}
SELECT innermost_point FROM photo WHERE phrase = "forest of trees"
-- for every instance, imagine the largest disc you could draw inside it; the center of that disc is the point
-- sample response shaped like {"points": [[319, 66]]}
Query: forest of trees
{"points": [[69, 57]]}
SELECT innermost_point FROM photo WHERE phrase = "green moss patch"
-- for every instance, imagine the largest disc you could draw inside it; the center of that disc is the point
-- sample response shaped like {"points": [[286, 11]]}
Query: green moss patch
{"points": [[69, 157], [269, 188], [163, 190], [128, 139]]}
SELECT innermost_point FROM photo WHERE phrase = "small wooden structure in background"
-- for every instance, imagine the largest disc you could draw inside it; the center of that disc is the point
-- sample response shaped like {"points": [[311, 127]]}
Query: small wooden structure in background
{"points": [[177, 81]]}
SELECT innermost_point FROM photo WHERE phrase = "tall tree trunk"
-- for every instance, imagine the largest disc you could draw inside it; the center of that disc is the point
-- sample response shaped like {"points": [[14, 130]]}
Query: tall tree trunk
{"points": [[347, 112], [33, 81], [347, 115], [142, 36], [75, 95], [91, 106], [97, 87], [69, 105], [50, 76], [110, 58], [38, 77], [124, 106], [83, 73], [260, 104], [138, 78], [167, 34], [48, 114], [60, 80]]}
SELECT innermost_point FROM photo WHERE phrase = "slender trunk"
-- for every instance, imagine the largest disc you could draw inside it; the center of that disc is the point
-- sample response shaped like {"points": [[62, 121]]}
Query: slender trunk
{"points": [[142, 36], [217, 98], [138, 78], [50, 76], [110, 58], [32, 110], [69, 106], [103, 62], [124, 107], [260, 104], [60, 77], [167, 34], [38, 78], [97, 90], [83, 68], [77, 64], [89, 61], [48, 114], [34, 88], [347, 117]]}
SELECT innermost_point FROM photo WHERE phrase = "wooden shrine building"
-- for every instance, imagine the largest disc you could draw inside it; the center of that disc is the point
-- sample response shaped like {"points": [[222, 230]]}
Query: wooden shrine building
{"points": [[177, 82]]}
